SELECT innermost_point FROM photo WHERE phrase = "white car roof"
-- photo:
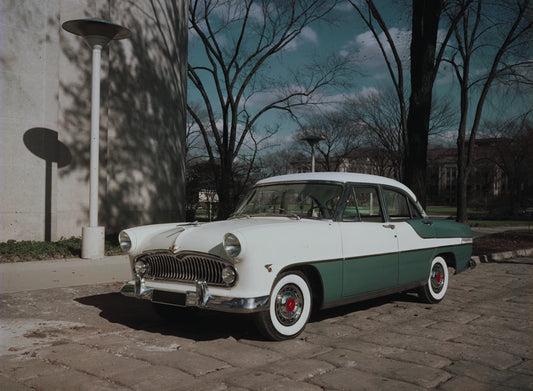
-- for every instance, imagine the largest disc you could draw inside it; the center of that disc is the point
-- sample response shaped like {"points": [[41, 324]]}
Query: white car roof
{"points": [[342, 177]]}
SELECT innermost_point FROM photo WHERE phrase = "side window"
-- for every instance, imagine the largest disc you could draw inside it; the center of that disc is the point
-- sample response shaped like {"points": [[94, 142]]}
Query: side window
{"points": [[397, 205], [363, 205], [415, 213]]}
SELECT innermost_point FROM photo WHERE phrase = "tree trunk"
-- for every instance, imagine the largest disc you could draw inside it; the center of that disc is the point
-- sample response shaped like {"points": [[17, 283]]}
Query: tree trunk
{"points": [[225, 188], [426, 16], [462, 182]]}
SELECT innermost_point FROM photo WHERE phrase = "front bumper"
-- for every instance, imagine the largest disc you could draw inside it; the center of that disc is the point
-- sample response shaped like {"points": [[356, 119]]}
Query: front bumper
{"points": [[200, 298]]}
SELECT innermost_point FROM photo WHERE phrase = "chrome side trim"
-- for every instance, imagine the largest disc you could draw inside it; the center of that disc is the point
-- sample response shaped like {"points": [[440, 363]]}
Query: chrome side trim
{"points": [[202, 299]]}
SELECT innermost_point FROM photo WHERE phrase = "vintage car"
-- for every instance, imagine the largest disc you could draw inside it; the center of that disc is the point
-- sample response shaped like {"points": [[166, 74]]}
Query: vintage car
{"points": [[299, 242]]}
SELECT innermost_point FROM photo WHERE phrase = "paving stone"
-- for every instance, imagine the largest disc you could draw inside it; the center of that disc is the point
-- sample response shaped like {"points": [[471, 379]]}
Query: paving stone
{"points": [[467, 383], [237, 354], [8, 384], [371, 349], [515, 347], [487, 332], [526, 367], [190, 362], [492, 321], [422, 358], [154, 378], [487, 374], [25, 369], [73, 380], [456, 316], [262, 381], [331, 330], [96, 362], [349, 379], [408, 372], [299, 347], [479, 337], [451, 350], [440, 334], [299, 369]]}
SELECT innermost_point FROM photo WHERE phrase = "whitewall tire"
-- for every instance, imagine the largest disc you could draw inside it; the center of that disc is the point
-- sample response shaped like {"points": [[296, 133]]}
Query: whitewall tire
{"points": [[289, 307], [437, 284]]}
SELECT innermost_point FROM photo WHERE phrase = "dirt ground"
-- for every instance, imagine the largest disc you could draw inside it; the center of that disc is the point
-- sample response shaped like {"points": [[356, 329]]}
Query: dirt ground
{"points": [[503, 241]]}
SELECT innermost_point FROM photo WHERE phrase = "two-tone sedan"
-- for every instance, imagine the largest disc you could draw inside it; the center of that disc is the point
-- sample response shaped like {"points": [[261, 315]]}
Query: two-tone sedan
{"points": [[299, 242]]}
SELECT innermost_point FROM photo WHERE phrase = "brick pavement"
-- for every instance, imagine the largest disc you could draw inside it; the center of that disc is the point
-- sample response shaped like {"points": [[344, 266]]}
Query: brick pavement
{"points": [[92, 338]]}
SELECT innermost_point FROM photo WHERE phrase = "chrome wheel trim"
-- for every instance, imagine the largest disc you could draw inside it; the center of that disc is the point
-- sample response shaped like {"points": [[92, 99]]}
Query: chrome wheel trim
{"points": [[438, 279], [289, 304]]}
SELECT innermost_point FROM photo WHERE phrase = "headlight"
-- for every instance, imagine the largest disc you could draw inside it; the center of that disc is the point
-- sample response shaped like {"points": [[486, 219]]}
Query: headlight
{"points": [[232, 246], [125, 241], [140, 268], [228, 275]]}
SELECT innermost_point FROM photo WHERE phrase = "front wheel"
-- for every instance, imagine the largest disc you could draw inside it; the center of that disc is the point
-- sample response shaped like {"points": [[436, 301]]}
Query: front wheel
{"points": [[289, 307], [435, 288]]}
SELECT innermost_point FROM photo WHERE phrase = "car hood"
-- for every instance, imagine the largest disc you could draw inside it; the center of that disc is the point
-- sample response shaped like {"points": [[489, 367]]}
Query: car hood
{"points": [[208, 237]]}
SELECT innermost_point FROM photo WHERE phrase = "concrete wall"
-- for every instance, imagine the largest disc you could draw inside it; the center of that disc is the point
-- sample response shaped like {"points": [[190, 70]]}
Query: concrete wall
{"points": [[45, 117]]}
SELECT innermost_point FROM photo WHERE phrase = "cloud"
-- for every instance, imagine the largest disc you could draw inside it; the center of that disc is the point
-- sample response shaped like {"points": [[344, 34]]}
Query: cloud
{"points": [[365, 50], [307, 35]]}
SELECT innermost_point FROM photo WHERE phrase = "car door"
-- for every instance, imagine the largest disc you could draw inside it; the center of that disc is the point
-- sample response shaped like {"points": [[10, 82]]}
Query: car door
{"points": [[413, 232], [370, 246]]}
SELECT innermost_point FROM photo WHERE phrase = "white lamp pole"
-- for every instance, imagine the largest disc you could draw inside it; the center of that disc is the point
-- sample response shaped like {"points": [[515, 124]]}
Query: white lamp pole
{"points": [[312, 141], [97, 34], [95, 137]]}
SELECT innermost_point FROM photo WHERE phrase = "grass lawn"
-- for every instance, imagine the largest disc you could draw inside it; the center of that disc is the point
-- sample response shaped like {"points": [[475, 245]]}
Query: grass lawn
{"points": [[475, 217]]}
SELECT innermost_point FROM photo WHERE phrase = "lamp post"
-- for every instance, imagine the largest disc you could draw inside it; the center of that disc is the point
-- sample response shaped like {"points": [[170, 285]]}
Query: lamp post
{"points": [[312, 140], [97, 33]]}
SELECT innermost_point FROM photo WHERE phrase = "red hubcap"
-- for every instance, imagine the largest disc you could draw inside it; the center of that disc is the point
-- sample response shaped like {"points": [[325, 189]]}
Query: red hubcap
{"points": [[438, 278], [290, 305]]}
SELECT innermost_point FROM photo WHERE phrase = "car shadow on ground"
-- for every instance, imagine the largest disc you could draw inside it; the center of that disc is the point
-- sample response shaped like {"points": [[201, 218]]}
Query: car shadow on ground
{"points": [[200, 325], [187, 323]]}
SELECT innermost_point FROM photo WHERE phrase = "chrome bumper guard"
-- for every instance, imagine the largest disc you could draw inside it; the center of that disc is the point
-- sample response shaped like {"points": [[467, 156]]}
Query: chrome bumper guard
{"points": [[200, 298]]}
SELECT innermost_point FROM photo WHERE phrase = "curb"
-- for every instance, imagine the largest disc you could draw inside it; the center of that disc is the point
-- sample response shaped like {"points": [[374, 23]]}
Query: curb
{"points": [[498, 257]]}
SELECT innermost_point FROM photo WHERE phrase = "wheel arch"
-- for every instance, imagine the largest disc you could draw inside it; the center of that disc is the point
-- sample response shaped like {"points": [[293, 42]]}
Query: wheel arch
{"points": [[315, 280], [449, 257]]}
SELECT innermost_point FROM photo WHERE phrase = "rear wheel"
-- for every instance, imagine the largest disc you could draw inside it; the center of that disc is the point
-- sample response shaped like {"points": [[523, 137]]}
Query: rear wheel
{"points": [[437, 284], [289, 307]]}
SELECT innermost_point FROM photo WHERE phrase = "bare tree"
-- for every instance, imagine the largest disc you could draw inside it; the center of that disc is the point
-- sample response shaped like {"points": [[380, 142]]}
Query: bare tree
{"points": [[413, 122], [240, 38], [499, 32], [341, 138], [378, 113]]}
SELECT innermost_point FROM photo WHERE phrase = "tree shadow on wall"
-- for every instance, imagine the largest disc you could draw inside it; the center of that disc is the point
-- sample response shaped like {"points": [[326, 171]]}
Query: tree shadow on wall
{"points": [[142, 116]]}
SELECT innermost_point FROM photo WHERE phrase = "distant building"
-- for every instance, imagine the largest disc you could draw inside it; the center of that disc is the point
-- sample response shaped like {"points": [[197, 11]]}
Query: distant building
{"points": [[492, 175]]}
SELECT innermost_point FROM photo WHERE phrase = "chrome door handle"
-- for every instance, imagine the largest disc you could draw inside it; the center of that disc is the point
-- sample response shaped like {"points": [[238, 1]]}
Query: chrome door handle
{"points": [[390, 226]]}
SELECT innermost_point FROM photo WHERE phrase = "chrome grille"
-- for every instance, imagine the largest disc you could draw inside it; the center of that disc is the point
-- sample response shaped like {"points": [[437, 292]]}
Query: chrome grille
{"points": [[184, 267]]}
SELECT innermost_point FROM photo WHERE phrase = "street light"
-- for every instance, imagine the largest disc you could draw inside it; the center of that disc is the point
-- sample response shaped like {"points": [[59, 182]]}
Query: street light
{"points": [[97, 33], [312, 140]]}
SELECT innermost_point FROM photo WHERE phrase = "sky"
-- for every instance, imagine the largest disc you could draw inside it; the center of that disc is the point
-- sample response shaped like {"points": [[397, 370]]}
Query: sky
{"points": [[349, 38]]}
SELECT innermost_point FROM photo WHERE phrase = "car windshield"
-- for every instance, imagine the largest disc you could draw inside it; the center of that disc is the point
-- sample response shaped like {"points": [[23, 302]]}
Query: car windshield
{"points": [[298, 200]]}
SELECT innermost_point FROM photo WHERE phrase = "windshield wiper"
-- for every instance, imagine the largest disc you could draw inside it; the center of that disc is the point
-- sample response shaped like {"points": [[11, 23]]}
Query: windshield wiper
{"points": [[239, 217], [289, 213]]}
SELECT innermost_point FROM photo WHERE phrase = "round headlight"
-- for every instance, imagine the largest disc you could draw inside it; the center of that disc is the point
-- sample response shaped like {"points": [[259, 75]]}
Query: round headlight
{"points": [[140, 268], [232, 246], [125, 241], [228, 275]]}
